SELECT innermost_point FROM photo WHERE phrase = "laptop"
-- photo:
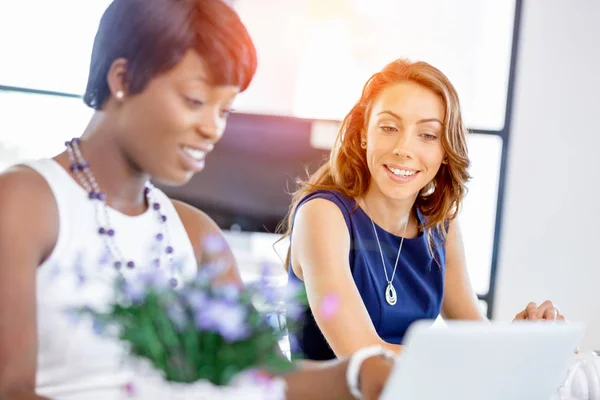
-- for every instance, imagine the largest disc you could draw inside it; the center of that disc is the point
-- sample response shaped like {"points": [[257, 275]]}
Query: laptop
{"points": [[480, 361]]}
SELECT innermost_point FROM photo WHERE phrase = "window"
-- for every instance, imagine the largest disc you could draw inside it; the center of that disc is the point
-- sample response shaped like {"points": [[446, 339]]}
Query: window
{"points": [[35, 126], [46, 45], [478, 216], [324, 52]]}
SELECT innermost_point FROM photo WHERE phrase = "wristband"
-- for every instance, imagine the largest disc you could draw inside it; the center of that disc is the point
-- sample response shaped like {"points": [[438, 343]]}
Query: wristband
{"points": [[356, 361]]}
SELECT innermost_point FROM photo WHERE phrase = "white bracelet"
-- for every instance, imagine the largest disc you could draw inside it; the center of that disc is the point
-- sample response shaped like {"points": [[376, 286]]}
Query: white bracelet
{"points": [[356, 361]]}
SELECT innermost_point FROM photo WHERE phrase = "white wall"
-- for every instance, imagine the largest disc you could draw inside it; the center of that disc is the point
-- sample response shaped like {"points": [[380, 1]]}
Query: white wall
{"points": [[551, 236]]}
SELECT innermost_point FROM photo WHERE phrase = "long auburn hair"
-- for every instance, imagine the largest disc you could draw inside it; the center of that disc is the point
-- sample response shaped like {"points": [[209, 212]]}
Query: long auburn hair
{"points": [[347, 172]]}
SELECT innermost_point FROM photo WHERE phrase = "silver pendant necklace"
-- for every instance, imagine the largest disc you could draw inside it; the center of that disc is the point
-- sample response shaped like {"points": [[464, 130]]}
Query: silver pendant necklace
{"points": [[390, 291]]}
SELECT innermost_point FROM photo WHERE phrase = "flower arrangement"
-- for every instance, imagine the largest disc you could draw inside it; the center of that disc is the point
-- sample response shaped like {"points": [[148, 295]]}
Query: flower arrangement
{"points": [[200, 330]]}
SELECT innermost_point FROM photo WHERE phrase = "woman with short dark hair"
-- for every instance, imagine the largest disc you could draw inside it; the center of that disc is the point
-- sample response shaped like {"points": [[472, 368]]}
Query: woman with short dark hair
{"points": [[163, 76]]}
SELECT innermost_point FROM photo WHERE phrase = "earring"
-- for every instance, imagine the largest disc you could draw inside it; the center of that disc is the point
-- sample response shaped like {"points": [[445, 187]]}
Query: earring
{"points": [[428, 190], [119, 95], [363, 144]]}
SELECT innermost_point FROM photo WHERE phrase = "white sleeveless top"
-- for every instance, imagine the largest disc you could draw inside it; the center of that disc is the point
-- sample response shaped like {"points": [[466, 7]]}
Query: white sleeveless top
{"points": [[73, 361]]}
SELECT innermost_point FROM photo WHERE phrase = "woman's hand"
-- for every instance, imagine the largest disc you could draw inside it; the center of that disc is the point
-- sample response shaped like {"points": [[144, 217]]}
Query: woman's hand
{"points": [[546, 311]]}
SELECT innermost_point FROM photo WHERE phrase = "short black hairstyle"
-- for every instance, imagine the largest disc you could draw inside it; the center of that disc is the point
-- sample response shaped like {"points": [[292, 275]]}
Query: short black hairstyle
{"points": [[154, 35]]}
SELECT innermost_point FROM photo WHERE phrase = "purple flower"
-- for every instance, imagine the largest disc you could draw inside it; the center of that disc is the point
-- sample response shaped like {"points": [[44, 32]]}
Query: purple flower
{"points": [[266, 270], [275, 294], [208, 317], [293, 310], [272, 295], [228, 291], [204, 320], [233, 325], [284, 299], [136, 287], [134, 290], [210, 270], [196, 298], [153, 279], [214, 244], [225, 318]]}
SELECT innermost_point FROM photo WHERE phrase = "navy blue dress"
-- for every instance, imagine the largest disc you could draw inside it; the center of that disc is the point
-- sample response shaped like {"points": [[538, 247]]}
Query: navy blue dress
{"points": [[419, 279]]}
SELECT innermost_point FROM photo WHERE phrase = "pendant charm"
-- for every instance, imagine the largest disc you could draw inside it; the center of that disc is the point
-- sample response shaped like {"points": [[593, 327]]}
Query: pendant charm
{"points": [[390, 294]]}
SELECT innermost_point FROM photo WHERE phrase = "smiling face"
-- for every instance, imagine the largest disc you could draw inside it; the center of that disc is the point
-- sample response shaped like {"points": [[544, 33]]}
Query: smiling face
{"points": [[170, 127], [403, 140]]}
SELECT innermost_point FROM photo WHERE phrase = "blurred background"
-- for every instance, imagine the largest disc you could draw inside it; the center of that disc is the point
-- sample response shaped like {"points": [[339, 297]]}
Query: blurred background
{"points": [[525, 71]]}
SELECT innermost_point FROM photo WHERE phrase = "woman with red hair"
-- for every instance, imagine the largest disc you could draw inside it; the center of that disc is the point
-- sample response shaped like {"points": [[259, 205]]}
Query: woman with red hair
{"points": [[375, 238]]}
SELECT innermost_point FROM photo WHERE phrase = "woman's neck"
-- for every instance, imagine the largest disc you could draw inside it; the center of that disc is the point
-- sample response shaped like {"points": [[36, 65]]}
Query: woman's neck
{"points": [[114, 170], [394, 216]]}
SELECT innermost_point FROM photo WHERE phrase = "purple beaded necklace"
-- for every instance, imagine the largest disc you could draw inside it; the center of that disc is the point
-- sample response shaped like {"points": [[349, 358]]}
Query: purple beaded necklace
{"points": [[82, 172]]}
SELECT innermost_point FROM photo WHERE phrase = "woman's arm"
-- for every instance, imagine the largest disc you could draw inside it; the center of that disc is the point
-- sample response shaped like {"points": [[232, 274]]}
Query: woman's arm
{"points": [[25, 394], [28, 231], [321, 244], [201, 230], [328, 380], [315, 382]]}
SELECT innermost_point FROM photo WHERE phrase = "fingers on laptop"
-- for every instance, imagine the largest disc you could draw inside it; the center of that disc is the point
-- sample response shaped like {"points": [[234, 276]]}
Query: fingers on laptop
{"points": [[521, 316], [550, 312], [530, 312], [546, 311]]}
